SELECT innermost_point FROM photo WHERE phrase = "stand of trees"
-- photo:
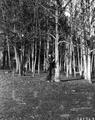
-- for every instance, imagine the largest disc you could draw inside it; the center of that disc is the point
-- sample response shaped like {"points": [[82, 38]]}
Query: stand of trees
{"points": [[31, 30]]}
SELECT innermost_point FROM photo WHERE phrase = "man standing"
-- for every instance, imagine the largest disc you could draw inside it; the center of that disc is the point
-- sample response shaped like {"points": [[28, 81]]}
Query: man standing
{"points": [[51, 67]]}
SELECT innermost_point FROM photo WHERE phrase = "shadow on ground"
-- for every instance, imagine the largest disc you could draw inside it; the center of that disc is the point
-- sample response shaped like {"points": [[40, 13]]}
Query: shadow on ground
{"points": [[27, 98]]}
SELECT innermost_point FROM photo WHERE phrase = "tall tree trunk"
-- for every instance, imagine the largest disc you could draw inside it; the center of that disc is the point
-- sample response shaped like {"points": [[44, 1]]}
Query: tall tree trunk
{"points": [[39, 57], [60, 63], [80, 65], [45, 57], [84, 62], [19, 67], [32, 56], [89, 66], [92, 33], [44, 63], [81, 62], [70, 60], [4, 58], [35, 58], [67, 66], [17, 60], [22, 60], [66, 60], [74, 65], [56, 49], [29, 61], [9, 59], [48, 39], [92, 60]]}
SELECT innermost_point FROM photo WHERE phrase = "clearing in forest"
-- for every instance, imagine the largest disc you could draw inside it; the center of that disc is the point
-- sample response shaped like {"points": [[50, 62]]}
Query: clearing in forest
{"points": [[28, 98]]}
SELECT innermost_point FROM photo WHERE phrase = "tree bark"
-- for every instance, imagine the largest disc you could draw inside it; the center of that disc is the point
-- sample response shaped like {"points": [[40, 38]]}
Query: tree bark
{"points": [[4, 58], [74, 65], [29, 61], [56, 49], [85, 62], [9, 58], [17, 60], [70, 60], [89, 66], [39, 57], [67, 67], [34, 58]]}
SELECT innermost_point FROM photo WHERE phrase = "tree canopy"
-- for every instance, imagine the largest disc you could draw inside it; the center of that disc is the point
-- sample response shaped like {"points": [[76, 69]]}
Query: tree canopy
{"points": [[35, 28]]}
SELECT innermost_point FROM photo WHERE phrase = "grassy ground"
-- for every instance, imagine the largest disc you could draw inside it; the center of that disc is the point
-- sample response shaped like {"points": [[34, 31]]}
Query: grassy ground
{"points": [[27, 98]]}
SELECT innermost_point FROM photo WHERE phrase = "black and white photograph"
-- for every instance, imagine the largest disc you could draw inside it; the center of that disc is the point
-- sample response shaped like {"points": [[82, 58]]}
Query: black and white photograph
{"points": [[47, 59]]}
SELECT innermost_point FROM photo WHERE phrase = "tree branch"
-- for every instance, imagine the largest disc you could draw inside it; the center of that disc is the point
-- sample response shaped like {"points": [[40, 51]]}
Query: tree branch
{"points": [[63, 41], [92, 50], [67, 3], [47, 9], [52, 35]]}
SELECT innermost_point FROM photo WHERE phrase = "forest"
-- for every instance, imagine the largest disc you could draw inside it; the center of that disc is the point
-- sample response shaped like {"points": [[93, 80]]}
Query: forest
{"points": [[30, 30], [41, 40]]}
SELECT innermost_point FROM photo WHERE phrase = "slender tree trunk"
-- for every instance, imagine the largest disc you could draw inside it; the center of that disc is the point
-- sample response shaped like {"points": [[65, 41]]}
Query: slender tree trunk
{"points": [[9, 58], [16, 58], [84, 63], [17, 61], [47, 51], [60, 63], [64, 66], [39, 57], [74, 65], [29, 61], [92, 60], [35, 58], [22, 60], [70, 60], [44, 63], [81, 62], [66, 63], [19, 67], [32, 56], [56, 49], [45, 57], [89, 66], [4, 58], [67, 67]]}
